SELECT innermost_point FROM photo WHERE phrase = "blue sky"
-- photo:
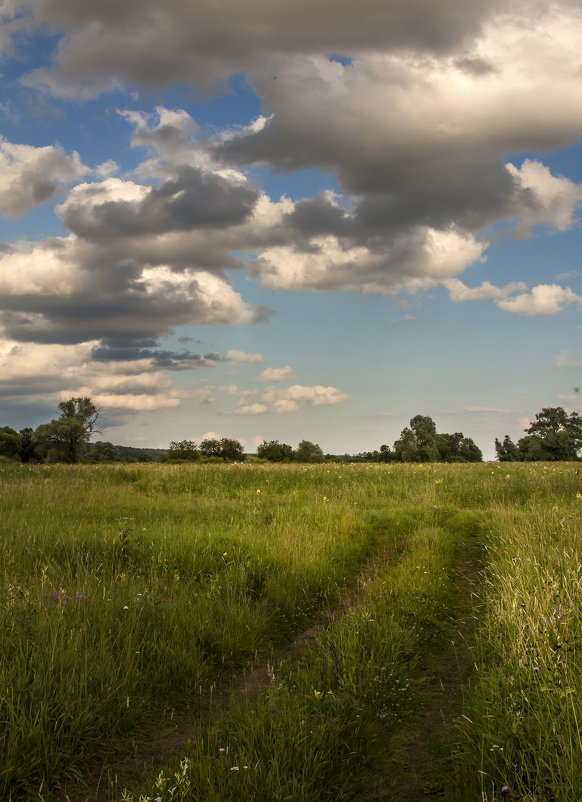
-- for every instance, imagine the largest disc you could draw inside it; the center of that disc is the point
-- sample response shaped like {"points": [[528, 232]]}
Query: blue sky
{"points": [[302, 221]]}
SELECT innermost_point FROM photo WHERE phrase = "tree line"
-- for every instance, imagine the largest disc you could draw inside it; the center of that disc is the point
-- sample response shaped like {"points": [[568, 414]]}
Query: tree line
{"points": [[554, 435]]}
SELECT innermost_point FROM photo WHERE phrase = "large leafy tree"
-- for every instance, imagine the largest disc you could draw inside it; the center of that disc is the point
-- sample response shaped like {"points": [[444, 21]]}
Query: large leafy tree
{"points": [[226, 448], [309, 452], [82, 410], [274, 451], [9, 443], [417, 443], [60, 440], [65, 438], [183, 450]]}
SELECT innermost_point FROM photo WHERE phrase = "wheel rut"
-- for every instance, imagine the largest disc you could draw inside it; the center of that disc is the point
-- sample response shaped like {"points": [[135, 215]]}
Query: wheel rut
{"points": [[420, 762], [144, 757]]}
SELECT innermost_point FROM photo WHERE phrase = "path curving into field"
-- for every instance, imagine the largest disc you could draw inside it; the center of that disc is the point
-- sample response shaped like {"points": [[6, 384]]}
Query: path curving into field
{"points": [[414, 761], [144, 757]]}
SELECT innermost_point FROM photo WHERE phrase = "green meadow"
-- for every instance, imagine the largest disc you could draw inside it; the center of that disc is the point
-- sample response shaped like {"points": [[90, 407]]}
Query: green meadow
{"points": [[135, 596]]}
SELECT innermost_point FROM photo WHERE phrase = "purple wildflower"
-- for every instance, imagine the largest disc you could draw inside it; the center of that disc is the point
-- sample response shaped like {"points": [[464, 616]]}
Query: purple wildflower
{"points": [[52, 597], [160, 586], [80, 596], [505, 789]]}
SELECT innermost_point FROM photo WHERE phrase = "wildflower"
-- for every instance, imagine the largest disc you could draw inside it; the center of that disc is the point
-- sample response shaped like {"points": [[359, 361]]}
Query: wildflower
{"points": [[235, 768], [80, 596], [126, 607], [160, 586], [505, 789]]}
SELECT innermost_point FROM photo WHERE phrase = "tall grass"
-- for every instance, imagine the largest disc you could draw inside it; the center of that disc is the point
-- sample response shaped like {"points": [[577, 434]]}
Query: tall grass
{"points": [[523, 727], [127, 591], [317, 730]]}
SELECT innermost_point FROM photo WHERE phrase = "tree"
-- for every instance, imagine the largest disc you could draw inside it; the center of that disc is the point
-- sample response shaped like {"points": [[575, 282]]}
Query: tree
{"points": [[405, 448], [554, 435], [457, 448], [63, 439], [420, 442], [210, 448], [83, 410], [506, 451], [183, 450], [309, 452], [469, 451], [559, 433], [27, 453], [9, 443], [226, 448], [231, 450], [60, 440], [417, 443], [103, 451], [424, 430], [385, 454], [274, 451]]}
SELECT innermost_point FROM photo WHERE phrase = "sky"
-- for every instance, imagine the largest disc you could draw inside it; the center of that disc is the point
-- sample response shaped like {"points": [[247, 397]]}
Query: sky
{"points": [[310, 219]]}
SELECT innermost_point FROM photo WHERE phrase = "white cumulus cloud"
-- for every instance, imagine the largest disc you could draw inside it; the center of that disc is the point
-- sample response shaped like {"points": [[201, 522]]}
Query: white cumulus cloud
{"points": [[544, 299]]}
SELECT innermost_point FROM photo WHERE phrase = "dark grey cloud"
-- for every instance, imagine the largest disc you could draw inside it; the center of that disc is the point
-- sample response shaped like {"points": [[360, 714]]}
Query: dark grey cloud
{"points": [[121, 304], [319, 215], [159, 358], [190, 199], [147, 43]]}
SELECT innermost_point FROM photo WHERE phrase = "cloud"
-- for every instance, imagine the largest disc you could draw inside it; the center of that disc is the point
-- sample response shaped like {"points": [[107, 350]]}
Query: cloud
{"points": [[499, 410], [460, 292], [206, 395], [142, 42], [251, 409], [241, 356], [276, 374], [545, 299], [276, 400], [191, 198], [550, 200], [230, 389], [566, 361], [410, 262], [48, 373], [31, 176]]}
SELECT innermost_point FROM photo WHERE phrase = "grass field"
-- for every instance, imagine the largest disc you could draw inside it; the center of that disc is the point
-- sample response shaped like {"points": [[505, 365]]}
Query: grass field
{"points": [[134, 595]]}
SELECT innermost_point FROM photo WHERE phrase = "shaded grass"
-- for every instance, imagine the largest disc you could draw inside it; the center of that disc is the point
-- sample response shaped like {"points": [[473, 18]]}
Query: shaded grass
{"points": [[127, 591]]}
